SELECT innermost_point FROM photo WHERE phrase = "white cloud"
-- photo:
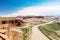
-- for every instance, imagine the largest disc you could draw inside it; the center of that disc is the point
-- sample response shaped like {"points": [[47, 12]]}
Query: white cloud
{"points": [[44, 10]]}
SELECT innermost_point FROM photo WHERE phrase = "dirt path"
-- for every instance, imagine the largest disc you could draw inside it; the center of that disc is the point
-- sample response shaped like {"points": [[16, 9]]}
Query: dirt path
{"points": [[38, 35]]}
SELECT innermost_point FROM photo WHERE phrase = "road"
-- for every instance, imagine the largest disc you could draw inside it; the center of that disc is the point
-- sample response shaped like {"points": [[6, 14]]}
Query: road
{"points": [[37, 34]]}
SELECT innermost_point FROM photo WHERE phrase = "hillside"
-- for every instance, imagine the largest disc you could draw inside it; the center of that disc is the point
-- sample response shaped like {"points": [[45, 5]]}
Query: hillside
{"points": [[52, 31]]}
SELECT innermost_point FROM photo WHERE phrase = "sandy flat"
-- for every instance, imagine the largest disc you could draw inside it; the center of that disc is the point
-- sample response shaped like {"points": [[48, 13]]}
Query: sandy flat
{"points": [[38, 35]]}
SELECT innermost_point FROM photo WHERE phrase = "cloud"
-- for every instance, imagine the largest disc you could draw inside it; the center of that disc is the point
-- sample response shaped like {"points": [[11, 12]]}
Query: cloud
{"points": [[40, 10]]}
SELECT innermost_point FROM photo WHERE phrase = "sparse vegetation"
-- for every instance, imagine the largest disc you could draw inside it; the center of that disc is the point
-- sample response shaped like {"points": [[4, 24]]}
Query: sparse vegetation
{"points": [[26, 33], [49, 30]]}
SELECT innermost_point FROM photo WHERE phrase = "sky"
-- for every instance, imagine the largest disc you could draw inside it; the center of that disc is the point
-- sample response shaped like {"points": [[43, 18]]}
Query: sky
{"points": [[29, 7]]}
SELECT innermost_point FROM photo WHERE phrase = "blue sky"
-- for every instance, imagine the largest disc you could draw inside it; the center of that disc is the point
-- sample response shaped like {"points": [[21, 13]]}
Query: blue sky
{"points": [[11, 6], [8, 6]]}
